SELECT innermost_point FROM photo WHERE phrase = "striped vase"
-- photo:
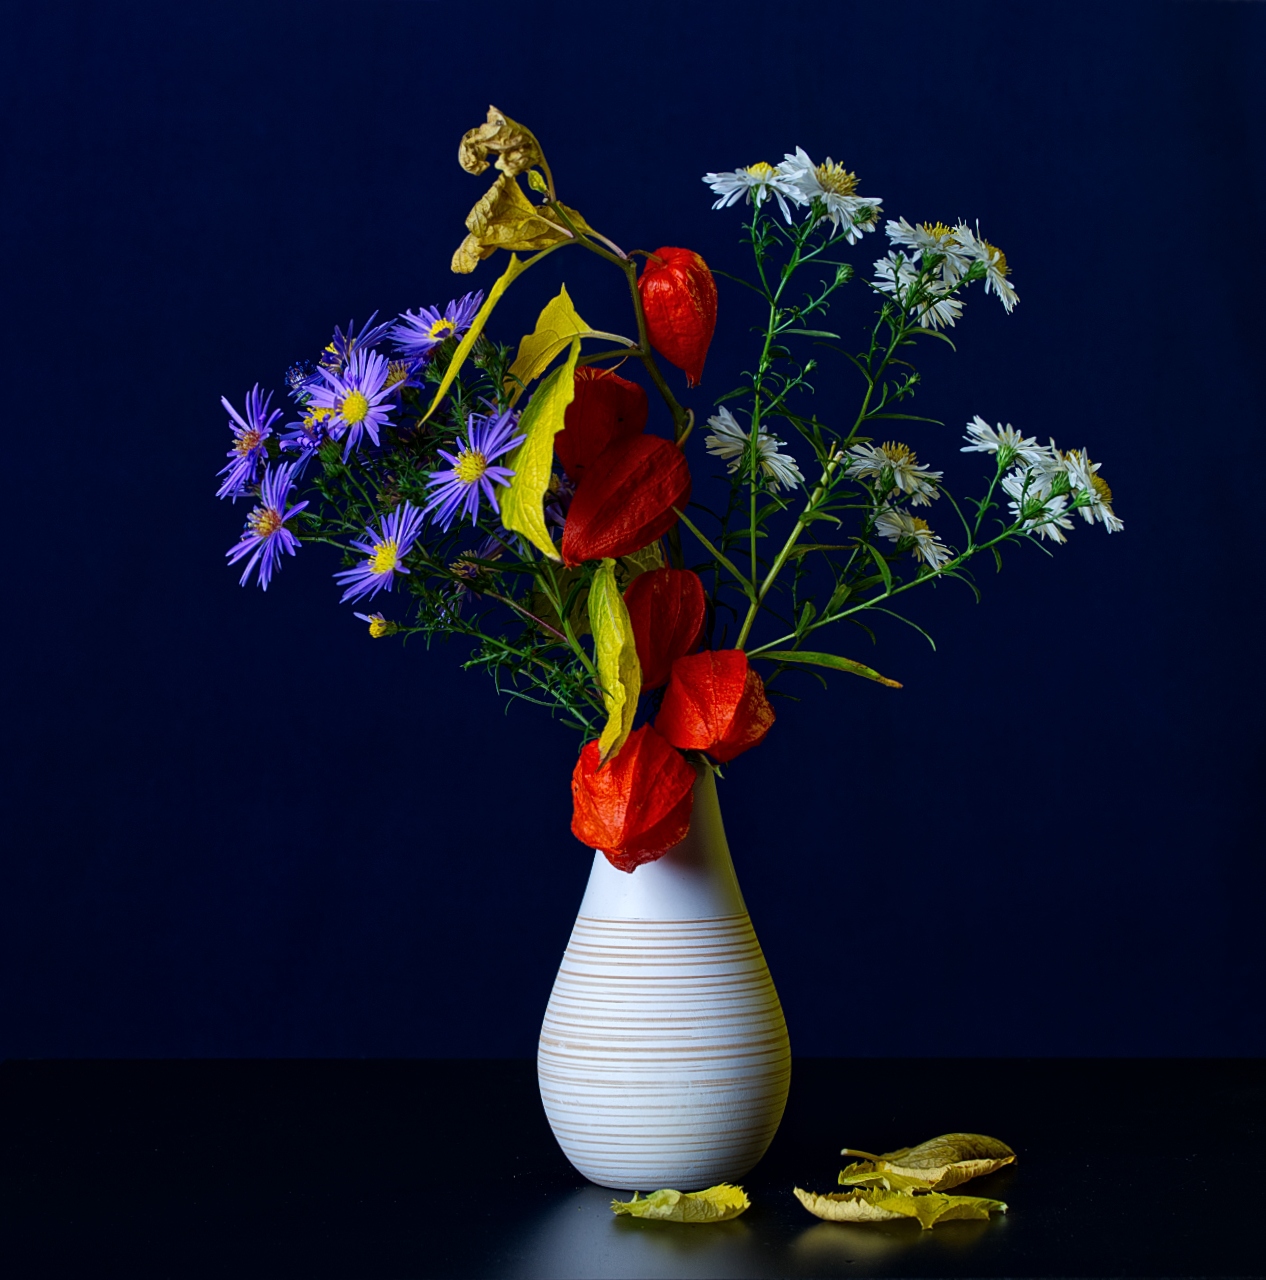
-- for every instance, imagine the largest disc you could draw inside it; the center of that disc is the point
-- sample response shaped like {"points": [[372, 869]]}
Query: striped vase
{"points": [[664, 1059]]}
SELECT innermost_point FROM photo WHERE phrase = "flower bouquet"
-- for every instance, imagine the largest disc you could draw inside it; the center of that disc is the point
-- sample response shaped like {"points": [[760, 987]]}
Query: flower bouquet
{"points": [[524, 496]]}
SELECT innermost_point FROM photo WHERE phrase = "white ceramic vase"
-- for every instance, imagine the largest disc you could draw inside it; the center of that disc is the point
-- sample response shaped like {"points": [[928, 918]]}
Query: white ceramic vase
{"points": [[664, 1059]]}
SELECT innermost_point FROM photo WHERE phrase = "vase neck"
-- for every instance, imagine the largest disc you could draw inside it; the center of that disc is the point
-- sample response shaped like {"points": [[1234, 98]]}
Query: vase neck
{"points": [[694, 880]]}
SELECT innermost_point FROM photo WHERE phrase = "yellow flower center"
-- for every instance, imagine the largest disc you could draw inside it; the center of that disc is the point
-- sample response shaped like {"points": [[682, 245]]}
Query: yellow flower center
{"points": [[471, 465], [264, 521], [378, 627], [397, 372], [354, 407], [385, 558], [761, 171], [998, 259], [898, 454], [937, 230], [246, 442], [442, 329], [1100, 486], [919, 525], [836, 179]]}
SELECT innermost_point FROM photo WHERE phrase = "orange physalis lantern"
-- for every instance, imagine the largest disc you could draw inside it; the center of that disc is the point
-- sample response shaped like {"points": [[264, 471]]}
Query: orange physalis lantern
{"points": [[679, 297], [626, 499], [715, 703], [667, 609], [606, 408], [636, 806]]}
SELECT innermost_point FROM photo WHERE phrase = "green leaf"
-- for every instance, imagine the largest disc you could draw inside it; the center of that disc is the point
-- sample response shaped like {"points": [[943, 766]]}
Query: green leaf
{"points": [[464, 348], [882, 565], [809, 333], [825, 660], [716, 1204], [523, 499], [616, 655]]}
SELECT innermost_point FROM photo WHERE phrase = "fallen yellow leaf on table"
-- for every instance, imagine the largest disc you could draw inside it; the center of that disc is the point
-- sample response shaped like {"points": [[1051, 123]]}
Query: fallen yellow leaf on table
{"points": [[874, 1204], [716, 1204], [937, 1164]]}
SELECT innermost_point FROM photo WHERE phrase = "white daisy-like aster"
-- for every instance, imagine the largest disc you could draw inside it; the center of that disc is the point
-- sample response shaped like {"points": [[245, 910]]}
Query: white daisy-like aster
{"points": [[896, 273], [901, 527], [1093, 493], [1044, 513], [755, 185], [982, 438], [835, 188], [909, 476], [728, 440], [932, 238], [979, 249]]}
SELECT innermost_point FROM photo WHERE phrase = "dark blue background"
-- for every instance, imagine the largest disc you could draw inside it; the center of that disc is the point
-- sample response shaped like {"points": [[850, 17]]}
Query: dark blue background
{"points": [[237, 826]]}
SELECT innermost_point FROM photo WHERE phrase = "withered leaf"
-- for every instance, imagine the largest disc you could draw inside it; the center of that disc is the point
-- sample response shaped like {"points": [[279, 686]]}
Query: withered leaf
{"points": [[716, 1204], [515, 146], [864, 1174], [943, 1162], [504, 218], [874, 1204]]}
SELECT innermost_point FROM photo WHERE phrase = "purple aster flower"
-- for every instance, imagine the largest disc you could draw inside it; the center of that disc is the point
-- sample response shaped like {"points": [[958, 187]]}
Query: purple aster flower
{"points": [[266, 535], [403, 373], [386, 550], [343, 346], [472, 472], [420, 334], [356, 397], [249, 452], [378, 625], [308, 434]]}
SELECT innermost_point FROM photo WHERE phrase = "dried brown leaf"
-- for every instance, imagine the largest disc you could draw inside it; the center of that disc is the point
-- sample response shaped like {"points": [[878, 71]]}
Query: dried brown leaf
{"points": [[504, 218], [515, 147]]}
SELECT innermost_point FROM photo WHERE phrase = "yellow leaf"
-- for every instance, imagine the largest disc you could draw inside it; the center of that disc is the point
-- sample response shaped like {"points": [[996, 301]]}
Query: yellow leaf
{"points": [[516, 148], [626, 569], [464, 348], [616, 654], [865, 1174], [844, 1206], [716, 1204], [874, 1204], [556, 326], [523, 499], [504, 218], [942, 1162]]}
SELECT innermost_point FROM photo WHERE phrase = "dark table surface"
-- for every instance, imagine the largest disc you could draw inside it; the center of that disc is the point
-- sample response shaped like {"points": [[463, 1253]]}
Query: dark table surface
{"points": [[448, 1169]]}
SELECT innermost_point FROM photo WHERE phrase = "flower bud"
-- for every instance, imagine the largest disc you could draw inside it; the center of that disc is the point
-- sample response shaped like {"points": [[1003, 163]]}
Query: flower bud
{"points": [[636, 806], [606, 408], [667, 609], [715, 703], [626, 499], [679, 298]]}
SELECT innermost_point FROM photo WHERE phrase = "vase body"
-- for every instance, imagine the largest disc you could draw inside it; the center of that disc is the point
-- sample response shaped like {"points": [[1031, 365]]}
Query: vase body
{"points": [[663, 1058]]}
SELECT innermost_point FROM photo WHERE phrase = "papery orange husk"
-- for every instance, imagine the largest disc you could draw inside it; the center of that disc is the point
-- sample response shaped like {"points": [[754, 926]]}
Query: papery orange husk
{"points": [[667, 608], [636, 806], [679, 297], [626, 499], [715, 703], [606, 408]]}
